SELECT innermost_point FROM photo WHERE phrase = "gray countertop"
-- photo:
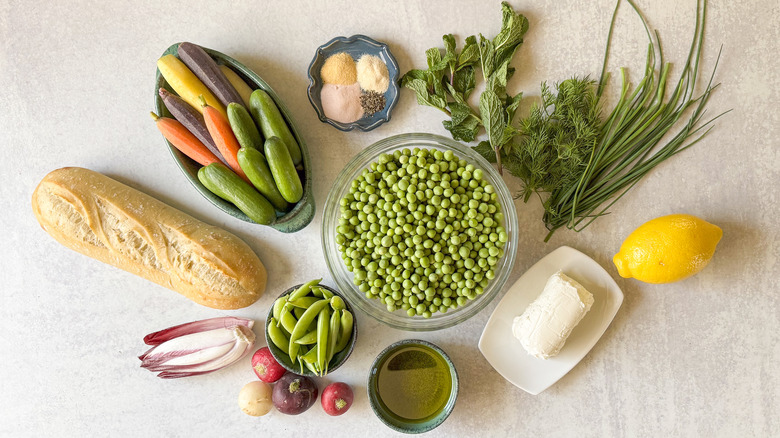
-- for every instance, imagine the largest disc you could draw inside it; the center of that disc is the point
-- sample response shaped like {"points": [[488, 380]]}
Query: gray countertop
{"points": [[700, 357]]}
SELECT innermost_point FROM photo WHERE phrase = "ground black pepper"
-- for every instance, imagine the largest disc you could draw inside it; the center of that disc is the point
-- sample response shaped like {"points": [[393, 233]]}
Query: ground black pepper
{"points": [[372, 102]]}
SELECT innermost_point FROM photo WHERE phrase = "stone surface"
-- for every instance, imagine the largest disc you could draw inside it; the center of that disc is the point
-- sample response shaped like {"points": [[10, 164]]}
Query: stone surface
{"points": [[695, 358]]}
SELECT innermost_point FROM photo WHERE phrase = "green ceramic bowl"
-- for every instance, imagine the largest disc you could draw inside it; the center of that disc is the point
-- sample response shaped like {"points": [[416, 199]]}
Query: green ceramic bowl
{"points": [[303, 212], [384, 413], [284, 359]]}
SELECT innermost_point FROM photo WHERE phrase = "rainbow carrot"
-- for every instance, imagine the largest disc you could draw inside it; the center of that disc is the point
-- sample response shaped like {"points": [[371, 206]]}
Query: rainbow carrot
{"points": [[183, 140], [219, 128], [186, 84]]}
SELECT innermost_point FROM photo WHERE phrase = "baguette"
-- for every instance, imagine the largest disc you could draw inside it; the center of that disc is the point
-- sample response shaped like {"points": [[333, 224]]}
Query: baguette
{"points": [[116, 224]]}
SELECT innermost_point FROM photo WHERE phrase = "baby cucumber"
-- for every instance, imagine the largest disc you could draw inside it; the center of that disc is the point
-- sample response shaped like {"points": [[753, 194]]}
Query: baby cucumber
{"points": [[243, 126], [272, 123], [224, 183], [256, 169], [207, 70], [283, 170]]}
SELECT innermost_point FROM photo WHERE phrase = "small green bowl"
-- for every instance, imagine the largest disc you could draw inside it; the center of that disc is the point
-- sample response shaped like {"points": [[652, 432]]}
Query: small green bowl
{"points": [[383, 412], [284, 359], [288, 222]]}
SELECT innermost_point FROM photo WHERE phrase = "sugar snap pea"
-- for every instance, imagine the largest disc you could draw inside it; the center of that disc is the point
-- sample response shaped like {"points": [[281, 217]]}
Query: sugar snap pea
{"points": [[304, 289], [337, 303], [311, 366], [278, 305], [308, 339], [303, 302], [287, 319], [309, 315], [346, 330], [323, 322], [277, 336], [298, 311], [333, 335], [311, 355], [326, 294]]}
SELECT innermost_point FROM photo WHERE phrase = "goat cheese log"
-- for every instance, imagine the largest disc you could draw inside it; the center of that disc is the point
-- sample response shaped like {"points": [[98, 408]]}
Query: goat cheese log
{"points": [[547, 322], [116, 224]]}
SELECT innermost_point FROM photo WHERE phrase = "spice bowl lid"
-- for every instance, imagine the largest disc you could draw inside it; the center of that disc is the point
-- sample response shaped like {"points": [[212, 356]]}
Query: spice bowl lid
{"points": [[355, 46]]}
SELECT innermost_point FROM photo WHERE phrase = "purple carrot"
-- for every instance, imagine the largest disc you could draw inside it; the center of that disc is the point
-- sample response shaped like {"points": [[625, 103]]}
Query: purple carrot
{"points": [[191, 119], [207, 70]]}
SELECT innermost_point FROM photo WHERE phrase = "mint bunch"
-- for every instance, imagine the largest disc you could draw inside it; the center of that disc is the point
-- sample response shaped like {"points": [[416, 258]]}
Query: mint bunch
{"points": [[451, 78]]}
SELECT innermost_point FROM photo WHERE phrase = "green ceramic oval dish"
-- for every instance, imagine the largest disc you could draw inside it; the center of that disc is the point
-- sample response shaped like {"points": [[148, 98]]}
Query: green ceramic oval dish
{"points": [[303, 211]]}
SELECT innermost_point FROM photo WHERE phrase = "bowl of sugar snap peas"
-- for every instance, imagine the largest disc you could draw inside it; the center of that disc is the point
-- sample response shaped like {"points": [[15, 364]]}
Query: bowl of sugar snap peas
{"points": [[420, 232], [311, 329]]}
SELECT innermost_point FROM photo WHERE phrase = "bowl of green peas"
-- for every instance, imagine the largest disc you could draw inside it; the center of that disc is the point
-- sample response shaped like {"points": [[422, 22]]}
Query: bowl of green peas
{"points": [[419, 232]]}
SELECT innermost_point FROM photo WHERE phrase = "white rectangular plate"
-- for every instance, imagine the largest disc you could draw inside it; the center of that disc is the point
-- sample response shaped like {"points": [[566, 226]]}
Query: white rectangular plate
{"points": [[504, 351]]}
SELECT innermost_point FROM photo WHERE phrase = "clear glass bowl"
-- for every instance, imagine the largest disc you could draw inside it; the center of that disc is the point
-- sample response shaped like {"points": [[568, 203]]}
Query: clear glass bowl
{"points": [[374, 307]]}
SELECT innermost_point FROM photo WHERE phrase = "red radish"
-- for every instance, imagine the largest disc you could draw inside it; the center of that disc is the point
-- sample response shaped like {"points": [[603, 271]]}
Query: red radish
{"points": [[266, 367], [336, 398]]}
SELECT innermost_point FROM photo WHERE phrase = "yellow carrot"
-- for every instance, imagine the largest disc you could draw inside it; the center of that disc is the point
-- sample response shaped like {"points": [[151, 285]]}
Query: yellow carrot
{"points": [[235, 80], [186, 84]]}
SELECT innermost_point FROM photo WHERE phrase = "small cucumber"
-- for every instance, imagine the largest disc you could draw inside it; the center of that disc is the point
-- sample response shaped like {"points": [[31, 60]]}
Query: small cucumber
{"points": [[271, 122], [283, 170], [224, 183], [243, 126], [255, 167]]}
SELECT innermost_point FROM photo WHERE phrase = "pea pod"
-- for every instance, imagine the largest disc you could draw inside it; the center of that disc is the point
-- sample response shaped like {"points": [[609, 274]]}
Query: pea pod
{"points": [[312, 366], [303, 302], [287, 320], [278, 305], [244, 127], [298, 312], [283, 170], [277, 336], [272, 123], [323, 321], [310, 356], [346, 330], [304, 289], [224, 183], [255, 166], [309, 338], [326, 294], [333, 335], [337, 303], [308, 317]]}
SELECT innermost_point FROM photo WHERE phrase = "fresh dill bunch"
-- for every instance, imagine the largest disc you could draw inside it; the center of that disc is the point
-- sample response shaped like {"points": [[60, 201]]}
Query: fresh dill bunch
{"points": [[556, 138]]}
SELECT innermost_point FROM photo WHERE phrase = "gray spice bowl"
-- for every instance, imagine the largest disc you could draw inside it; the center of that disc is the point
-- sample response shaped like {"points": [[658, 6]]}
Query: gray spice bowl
{"points": [[289, 222], [356, 45]]}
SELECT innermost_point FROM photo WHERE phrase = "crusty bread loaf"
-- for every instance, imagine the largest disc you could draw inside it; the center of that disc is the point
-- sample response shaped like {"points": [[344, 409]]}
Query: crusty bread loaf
{"points": [[116, 224]]}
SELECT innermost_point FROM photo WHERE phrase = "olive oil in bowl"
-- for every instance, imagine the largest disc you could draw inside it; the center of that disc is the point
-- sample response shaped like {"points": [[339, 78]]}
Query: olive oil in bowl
{"points": [[412, 386]]}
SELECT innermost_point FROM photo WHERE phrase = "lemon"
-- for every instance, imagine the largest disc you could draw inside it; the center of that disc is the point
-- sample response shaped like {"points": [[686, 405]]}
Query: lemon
{"points": [[667, 249]]}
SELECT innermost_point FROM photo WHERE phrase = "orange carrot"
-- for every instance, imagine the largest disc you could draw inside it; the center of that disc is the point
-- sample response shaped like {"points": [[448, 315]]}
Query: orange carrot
{"points": [[222, 134], [183, 140]]}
